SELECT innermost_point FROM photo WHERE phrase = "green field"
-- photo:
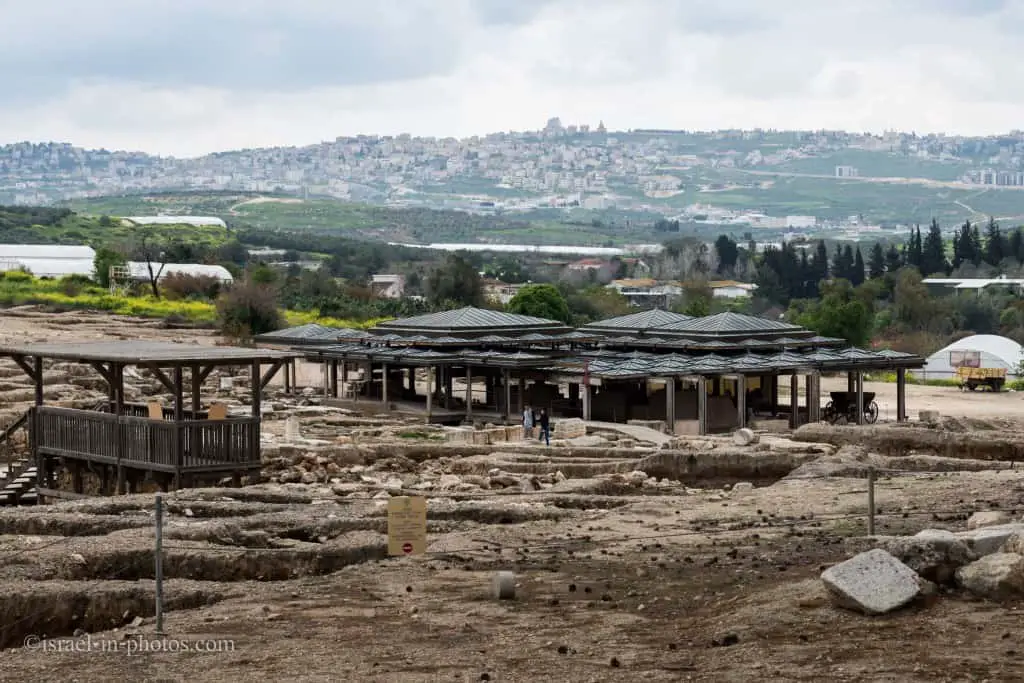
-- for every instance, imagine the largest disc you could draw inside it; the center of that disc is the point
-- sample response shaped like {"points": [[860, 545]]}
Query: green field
{"points": [[417, 225], [21, 289], [874, 165]]}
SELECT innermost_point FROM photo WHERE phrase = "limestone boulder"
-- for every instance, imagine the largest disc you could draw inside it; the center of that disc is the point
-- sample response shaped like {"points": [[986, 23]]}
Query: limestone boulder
{"points": [[873, 582], [934, 557], [987, 518], [989, 539], [998, 576]]}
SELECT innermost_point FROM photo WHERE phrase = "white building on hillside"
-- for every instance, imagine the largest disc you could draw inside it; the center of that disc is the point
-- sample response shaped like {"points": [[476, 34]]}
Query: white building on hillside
{"points": [[139, 271], [48, 260], [388, 285], [176, 220]]}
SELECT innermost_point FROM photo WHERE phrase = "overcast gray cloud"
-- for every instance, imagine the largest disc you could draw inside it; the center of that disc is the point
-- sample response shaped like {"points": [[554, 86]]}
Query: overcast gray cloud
{"points": [[191, 76]]}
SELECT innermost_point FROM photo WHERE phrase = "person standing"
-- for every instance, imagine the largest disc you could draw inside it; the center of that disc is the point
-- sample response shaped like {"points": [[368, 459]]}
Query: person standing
{"points": [[545, 427], [527, 423]]}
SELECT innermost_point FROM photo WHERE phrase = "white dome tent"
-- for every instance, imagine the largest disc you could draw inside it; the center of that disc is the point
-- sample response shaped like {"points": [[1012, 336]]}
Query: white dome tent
{"points": [[986, 350]]}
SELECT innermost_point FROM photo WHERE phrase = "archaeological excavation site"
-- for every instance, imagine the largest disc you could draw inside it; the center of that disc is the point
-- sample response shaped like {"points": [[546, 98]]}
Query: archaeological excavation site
{"points": [[713, 500]]}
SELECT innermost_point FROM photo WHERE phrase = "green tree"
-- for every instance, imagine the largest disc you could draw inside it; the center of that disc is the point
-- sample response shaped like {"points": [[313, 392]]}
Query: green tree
{"points": [[876, 261], [456, 281], [995, 244], [104, 260], [541, 301], [249, 309], [893, 259], [933, 255], [858, 270], [728, 253], [839, 313]]}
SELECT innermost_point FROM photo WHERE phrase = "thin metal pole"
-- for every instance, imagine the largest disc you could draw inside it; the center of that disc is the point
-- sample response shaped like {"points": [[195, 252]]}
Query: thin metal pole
{"points": [[159, 565], [871, 501]]}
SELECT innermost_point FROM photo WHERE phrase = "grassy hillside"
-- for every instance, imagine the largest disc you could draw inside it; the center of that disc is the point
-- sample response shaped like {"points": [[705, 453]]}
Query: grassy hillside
{"points": [[33, 225], [365, 221]]}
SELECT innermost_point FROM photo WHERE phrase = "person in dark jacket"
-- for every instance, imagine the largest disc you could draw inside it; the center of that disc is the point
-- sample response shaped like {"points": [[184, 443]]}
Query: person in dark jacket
{"points": [[545, 427]]}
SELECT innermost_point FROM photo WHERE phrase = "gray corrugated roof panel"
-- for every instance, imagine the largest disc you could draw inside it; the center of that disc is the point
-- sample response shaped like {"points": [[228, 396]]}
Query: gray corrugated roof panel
{"points": [[309, 331], [450, 341], [820, 340], [855, 354], [644, 320], [537, 337], [349, 333], [578, 335], [889, 353], [494, 339], [472, 319], [729, 323], [130, 352]]}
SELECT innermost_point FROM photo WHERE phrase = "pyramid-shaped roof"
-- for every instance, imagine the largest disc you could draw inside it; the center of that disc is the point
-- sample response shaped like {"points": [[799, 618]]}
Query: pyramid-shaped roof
{"points": [[732, 325], [308, 333], [637, 322], [468, 321]]}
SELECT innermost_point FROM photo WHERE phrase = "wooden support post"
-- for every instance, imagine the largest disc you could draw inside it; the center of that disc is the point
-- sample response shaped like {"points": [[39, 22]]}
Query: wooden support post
{"points": [[901, 395], [449, 385], [384, 385], [197, 391], [702, 405], [794, 400], [334, 378], [430, 391], [35, 372], [469, 392], [670, 405], [179, 417], [814, 397], [117, 372], [774, 396], [506, 380], [257, 390], [741, 400], [860, 397], [522, 394]]}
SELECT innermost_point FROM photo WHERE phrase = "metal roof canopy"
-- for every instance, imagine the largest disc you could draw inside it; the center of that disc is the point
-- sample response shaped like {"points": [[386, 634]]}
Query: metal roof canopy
{"points": [[470, 321], [166, 354]]}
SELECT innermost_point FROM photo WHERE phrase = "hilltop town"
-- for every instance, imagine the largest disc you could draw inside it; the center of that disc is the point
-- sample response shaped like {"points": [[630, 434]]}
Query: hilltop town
{"points": [[760, 178]]}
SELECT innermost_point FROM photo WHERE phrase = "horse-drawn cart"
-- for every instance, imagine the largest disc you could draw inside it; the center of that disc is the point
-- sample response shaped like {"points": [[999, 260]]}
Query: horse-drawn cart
{"points": [[844, 406]]}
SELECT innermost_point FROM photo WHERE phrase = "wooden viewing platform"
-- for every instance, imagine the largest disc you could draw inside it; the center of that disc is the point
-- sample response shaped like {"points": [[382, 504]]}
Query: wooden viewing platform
{"points": [[131, 444]]}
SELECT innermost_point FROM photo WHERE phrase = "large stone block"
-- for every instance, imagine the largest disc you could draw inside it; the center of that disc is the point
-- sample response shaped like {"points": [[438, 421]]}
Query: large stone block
{"points": [[998, 576], [873, 582], [934, 557], [989, 539]]}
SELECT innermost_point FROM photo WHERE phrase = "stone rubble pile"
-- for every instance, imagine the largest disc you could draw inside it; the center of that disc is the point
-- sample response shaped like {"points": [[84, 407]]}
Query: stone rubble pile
{"points": [[986, 560]]}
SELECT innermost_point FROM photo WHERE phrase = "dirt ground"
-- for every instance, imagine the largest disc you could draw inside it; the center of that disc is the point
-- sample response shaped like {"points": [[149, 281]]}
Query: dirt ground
{"points": [[618, 579]]}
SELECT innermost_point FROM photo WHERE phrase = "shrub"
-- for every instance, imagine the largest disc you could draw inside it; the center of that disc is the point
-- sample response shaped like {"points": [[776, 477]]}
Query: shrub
{"points": [[247, 310], [20, 275], [179, 286], [70, 286]]}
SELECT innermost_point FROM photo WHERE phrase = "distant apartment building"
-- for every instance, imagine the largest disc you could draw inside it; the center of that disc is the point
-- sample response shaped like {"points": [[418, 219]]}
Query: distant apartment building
{"points": [[647, 292], [730, 289], [847, 172], [388, 286], [587, 264], [501, 292], [988, 176]]}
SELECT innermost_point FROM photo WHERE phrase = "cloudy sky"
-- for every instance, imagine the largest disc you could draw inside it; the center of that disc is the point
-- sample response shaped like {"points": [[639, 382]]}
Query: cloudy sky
{"points": [[186, 77]]}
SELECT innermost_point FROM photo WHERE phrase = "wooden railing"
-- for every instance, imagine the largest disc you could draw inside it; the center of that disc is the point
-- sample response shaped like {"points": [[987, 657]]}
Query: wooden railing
{"points": [[162, 444], [142, 410]]}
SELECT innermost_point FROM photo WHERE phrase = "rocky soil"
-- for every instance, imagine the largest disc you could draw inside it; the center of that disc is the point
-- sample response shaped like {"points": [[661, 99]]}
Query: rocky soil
{"points": [[694, 560]]}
